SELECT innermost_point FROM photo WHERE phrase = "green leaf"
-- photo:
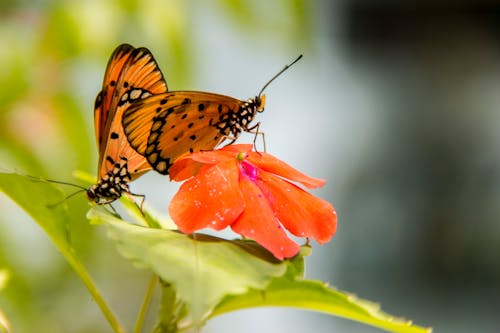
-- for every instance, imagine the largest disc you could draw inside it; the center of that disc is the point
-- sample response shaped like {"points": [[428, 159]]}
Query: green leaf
{"points": [[212, 276], [41, 201], [4, 278], [202, 269], [44, 203], [317, 296], [4, 324]]}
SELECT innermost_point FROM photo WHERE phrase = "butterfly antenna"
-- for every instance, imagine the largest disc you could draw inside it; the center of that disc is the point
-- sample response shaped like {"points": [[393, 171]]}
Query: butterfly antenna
{"points": [[69, 196], [58, 182], [278, 74]]}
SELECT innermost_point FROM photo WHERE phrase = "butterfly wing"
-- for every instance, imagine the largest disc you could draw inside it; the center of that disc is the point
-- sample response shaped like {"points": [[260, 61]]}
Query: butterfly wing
{"points": [[103, 100], [164, 127], [131, 74]]}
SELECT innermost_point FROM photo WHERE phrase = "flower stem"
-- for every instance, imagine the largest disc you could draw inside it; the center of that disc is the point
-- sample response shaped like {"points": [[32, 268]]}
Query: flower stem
{"points": [[171, 311], [145, 304], [87, 281]]}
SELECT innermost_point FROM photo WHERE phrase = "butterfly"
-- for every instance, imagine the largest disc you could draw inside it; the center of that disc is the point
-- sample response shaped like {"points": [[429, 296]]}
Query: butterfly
{"points": [[166, 126], [132, 74]]}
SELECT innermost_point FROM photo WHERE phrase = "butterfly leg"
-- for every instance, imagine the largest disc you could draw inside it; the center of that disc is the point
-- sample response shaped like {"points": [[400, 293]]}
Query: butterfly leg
{"points": [[141, 205], [232, 138], [255, 130], [111, 206]]}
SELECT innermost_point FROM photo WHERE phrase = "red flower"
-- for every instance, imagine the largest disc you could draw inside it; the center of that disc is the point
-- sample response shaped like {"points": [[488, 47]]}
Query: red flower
{"points": [[251, 192]]}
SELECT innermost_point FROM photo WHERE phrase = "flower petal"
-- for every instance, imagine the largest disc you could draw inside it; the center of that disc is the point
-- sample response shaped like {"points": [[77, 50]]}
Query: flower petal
{"points": [[210, 199], [271, 164], [190, 164], [183, 169], [238, 148], [300, 212], [259, 223]]}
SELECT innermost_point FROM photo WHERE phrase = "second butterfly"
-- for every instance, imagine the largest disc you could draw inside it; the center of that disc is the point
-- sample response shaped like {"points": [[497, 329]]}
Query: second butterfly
{"points": [[165, 126]]}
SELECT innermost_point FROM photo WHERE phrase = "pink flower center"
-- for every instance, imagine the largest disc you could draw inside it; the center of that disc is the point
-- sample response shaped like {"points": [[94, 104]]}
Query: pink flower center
{"points": [[248, 170]]}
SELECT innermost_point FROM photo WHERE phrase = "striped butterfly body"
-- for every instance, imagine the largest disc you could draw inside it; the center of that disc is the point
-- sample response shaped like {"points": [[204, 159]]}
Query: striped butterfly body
{"points": [[132, 74], [166, 126]]}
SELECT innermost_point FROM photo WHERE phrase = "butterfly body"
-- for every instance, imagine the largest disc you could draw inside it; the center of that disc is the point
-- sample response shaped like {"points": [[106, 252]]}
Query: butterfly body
{"points": [[234, 123], [131, 74], [166, 126], [111, 186]]}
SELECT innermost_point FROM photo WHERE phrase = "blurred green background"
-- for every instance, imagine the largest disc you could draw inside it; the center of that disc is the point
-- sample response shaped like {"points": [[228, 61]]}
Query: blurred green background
{"points": [[396, 105]]}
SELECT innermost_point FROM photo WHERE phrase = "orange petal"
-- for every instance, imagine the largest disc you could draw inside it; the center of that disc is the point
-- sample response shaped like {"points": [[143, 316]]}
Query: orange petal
{"points": [[211, 199], [259, 223], [300, 212], [189, 164], [238, 148], [271, 164], [183, 169]]}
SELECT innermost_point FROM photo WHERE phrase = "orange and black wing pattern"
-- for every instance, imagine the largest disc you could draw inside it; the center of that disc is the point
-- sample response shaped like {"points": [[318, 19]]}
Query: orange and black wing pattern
{"points": [[131, 74], [166, 126]]}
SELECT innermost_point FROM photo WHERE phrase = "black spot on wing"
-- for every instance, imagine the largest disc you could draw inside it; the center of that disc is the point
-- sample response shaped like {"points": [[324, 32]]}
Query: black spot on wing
{"points": [[98, 100]]}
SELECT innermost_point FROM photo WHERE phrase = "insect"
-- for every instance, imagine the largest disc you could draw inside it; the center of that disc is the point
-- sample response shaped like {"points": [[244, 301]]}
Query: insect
{"points": [[165, 126], [131, 74]]}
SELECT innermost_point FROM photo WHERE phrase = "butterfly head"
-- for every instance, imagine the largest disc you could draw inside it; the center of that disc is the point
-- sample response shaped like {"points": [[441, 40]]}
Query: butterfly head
{"points": [[91, 195], [108, 189], [94, 194], [260, 102]]}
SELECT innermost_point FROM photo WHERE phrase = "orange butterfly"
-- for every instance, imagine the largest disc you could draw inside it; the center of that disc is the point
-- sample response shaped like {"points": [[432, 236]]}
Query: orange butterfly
{"points": [[164, 127], [131, 74]]}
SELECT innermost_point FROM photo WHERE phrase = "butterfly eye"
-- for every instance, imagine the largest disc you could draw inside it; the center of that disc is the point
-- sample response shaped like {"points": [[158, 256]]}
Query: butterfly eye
{"points": [[91, 194]]}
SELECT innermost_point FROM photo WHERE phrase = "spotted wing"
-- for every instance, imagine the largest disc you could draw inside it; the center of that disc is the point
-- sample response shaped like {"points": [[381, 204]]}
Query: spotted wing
{"points": [[103, 100], [131, 74], [166, 126]]}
